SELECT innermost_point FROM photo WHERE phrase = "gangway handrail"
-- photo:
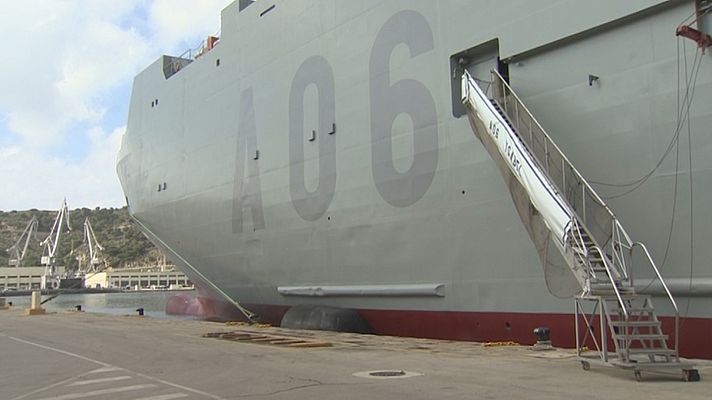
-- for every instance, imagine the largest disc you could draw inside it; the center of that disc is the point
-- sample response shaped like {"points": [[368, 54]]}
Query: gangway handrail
{"points": [[549, 144], [191, 54], [667, 291], [619, 238], [609, 273], [548, 138]]}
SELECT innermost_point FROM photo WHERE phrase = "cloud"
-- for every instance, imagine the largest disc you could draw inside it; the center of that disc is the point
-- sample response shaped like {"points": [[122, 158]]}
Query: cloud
{"points": [[32, 180], [182, 24], [66, 66], [63, 57]]}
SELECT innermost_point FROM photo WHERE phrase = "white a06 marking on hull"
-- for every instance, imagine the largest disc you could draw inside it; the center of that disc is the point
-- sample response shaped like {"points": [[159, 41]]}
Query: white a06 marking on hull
{"points": [[387, 101]]}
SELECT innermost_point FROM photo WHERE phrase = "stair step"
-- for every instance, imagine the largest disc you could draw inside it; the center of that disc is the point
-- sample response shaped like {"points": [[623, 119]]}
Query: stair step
{"points": [[627, 296], [632, 318], [640, 336], [603, 274], [630, 297], [654, 351], [604, 292], [636, 323], [605, 284], [633, 309]]}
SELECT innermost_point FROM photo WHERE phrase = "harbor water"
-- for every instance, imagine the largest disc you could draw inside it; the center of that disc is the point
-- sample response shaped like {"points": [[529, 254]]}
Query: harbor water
{"points": [[122, 303]]}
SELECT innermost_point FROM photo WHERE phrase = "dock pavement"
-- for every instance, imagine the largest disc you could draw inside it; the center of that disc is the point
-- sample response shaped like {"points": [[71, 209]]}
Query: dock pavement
{"points": [[82, 355]]}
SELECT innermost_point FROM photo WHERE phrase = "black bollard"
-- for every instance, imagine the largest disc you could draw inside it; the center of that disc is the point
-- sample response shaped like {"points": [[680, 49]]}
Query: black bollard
{"points": [[78, 307], [543, 339], [140, 311], [542, 333]]}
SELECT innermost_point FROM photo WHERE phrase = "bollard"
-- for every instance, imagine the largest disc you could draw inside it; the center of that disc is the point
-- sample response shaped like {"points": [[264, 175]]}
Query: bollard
{"points": [[543, 340], [542, 334], [36, 304], [140, 311]]}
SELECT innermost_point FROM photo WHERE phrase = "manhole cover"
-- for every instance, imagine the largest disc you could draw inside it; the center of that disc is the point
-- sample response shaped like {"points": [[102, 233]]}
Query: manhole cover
{"points": [[387, 374]]}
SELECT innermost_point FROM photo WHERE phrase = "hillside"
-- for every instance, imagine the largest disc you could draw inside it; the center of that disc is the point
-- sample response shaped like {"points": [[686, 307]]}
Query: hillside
{"points": [[124, 245]]}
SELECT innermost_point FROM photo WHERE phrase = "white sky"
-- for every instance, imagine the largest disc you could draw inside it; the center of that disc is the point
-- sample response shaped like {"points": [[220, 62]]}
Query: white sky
{"points": [[65, 83]]}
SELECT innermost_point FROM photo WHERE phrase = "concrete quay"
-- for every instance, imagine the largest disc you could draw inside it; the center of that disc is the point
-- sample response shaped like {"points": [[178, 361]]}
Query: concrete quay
{"points": [[77, 355]]}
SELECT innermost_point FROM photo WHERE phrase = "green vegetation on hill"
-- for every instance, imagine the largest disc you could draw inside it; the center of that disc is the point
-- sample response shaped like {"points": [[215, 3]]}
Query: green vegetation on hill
{"points": [[124, 245]]}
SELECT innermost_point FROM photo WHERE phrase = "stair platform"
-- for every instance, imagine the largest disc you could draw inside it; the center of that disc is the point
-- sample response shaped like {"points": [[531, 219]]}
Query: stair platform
{"points": [[687, 369]]}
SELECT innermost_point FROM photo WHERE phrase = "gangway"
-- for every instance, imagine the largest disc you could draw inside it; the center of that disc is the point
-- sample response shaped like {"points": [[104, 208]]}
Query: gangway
{"points": [[17, 255], [571, 225]]}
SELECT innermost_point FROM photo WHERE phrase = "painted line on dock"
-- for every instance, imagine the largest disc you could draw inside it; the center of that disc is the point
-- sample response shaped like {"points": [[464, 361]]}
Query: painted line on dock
{"points": [[99, 380], [71, 396], [107, 367], [104, 370], [48, 387], [164, 396], [67, 353], [177, 386]]}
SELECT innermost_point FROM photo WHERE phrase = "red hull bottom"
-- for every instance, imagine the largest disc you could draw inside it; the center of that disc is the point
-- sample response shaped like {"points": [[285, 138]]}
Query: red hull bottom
{"points": [[695, 333]]}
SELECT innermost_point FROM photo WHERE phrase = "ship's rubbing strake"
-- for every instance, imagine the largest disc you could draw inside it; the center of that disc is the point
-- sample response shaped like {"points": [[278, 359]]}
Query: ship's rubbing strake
{"points": [[388, 100], [394, 290]]}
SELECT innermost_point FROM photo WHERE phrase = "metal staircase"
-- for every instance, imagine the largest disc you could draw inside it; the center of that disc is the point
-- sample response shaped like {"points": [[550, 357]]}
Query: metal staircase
{"points": [[619, 324]]}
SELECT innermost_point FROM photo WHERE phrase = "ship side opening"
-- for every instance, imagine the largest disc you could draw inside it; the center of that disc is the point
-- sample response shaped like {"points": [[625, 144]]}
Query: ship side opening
{"points": [[245, 3], [478, 61]]}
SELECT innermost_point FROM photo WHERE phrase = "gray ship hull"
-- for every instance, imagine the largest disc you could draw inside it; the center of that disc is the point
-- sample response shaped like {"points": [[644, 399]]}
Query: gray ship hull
{"points": [[318, 155]]}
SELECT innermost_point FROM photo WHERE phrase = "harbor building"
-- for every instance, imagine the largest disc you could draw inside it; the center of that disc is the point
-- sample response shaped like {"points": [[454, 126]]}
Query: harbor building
{"points": [[23, 278], [138, 279]]}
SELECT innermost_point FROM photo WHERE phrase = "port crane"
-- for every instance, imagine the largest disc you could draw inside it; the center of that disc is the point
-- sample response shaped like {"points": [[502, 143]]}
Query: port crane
{"points": [[16, 256], [50, 279], [92, 260]]}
